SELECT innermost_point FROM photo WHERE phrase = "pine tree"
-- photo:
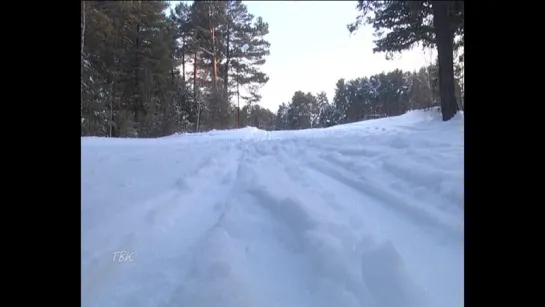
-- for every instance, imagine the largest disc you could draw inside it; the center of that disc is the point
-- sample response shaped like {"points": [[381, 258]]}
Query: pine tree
{"points": [[432, 23], [128, 81]]}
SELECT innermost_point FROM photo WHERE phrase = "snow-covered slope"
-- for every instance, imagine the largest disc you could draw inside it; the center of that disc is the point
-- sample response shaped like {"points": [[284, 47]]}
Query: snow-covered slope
{"points": [[365, 214]]}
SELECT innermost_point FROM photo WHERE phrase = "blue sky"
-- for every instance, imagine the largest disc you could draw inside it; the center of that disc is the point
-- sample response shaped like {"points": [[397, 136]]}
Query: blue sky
{"points": [[311, 48]]}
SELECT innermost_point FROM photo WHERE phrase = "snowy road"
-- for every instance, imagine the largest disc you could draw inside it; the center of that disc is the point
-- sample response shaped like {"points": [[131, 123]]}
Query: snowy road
{"points": [[366, 214]]}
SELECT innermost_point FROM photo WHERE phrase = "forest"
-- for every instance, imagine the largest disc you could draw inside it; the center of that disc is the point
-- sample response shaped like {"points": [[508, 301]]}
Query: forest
{"points": [[148, 70]]}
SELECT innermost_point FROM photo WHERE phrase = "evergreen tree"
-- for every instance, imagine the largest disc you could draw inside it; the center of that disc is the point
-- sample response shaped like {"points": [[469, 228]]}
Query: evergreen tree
{"points": [[377, 96], [136, 60], [432, 23]]}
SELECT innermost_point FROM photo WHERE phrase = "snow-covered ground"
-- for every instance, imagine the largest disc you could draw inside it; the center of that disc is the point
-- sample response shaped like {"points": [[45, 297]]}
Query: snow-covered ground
{"points": [[364, 214]]}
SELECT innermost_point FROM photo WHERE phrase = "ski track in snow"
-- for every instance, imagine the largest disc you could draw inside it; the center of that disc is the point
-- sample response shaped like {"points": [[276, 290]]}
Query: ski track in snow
{"points": [[365, 214]]}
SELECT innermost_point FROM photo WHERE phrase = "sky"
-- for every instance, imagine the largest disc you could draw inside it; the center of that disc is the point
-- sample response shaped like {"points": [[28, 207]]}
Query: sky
{"points": [[311, 49]]}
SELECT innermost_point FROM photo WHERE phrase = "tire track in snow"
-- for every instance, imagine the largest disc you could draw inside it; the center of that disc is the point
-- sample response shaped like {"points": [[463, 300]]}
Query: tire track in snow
{"points": [[139, 180], [212, 264], [401, 249], [277, 251], [422, 175], [414, 176], [379, 264], [262, 238], [161, 200], [386, 196], [386, 261], [186, 204], [314, 254]]}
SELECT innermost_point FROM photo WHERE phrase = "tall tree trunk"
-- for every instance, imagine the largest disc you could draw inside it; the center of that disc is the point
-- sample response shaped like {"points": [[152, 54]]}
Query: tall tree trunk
{"points": [[136, 106], [238, 98], [228, 55], [445, 41], [172, 73], [111, 123], [82, 58], [214, 63], [195, 91], [195, 77], [139, 85], [176, 95], [183, 60], [82, 32]]}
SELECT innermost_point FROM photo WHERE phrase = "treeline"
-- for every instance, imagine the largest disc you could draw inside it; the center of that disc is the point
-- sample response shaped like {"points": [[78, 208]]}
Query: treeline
{"points": [[145, 73], [400, 25], [148, 72], [381, 95]]}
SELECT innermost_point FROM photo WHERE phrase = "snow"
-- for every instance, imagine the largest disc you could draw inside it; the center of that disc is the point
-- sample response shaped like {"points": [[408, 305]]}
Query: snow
{"points": [[363, 214]]}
